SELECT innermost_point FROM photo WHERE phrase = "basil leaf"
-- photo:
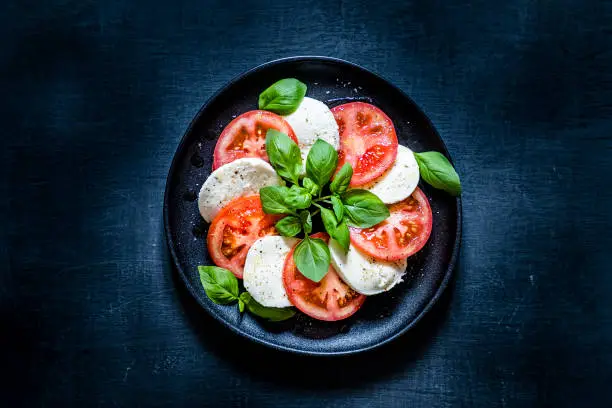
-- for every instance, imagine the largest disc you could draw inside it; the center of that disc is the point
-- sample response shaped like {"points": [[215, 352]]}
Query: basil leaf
{"points": [[298, 197], [274, 314], [342, 235], [438, 172], [284, 155], [306, 219], [289, 226], [321, 162], [310, 185], [283, 97], [273, 200], [241, 305], [363, 209], [220, 285], [338, 207], [342, 179], [338, 231], [311, 256]]}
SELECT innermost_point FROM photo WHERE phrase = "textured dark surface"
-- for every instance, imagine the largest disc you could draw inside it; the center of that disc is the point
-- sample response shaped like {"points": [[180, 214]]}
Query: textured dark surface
{"points": [[96, 98], [382, 317]]}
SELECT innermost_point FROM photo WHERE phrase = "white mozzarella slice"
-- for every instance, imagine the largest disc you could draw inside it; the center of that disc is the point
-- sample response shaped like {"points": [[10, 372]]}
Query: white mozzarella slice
{"points": [[366, 275], [311, 121], [263, 270], [238, 178], [399, 181]]}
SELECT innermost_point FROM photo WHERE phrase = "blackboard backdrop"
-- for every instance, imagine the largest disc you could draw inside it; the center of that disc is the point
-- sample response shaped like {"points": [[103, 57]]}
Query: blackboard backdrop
{"points": [[95, 97]]}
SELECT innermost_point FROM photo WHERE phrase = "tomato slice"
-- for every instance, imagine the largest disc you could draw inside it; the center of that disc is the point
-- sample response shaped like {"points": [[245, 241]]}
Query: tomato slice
{"points": [[402, 234], [237, 226], [245, 136], [367, 141], [330, 299]]}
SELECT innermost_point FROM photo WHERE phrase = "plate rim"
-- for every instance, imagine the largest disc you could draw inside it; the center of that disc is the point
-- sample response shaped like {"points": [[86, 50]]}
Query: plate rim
{"points": [[235, 329]]}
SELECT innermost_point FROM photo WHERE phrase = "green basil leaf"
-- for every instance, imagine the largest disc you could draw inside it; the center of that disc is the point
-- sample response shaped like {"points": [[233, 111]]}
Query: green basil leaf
{"points": [[310, 185], [338, 231], [338, 207], [284, 155], [298, 197], [220, 285], [274, 314], [283, 97], [312, 258], [321, 162], [438, 172], [306, 220], [273, 200], [342, 235], [342, 179], [289, 226], [329, 220], [363, 209], [241, 305]]}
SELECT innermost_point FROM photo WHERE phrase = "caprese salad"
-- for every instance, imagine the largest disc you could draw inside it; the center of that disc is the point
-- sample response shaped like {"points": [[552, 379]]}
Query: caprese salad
{"points": [[313, 208]]}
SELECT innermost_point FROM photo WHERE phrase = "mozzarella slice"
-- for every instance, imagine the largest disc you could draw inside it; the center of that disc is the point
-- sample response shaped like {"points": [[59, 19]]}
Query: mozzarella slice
{"points": [[363, 273], [399, 181], [238, 178], [263, 270], [311, 121]]}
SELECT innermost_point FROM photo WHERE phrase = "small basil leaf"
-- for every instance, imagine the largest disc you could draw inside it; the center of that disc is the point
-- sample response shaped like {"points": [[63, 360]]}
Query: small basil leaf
{"points": [[438, 172], [329, 220], [284, 155], [338, 231], [220, 285], [298, 197], [342, 179], [363, 209], [241, 305], [310, 185], [306, 220], [274, 314], [289, 226], [283, 97], [343, 236], [321, 162], [273, 200], [312, 258], [338, 207]]}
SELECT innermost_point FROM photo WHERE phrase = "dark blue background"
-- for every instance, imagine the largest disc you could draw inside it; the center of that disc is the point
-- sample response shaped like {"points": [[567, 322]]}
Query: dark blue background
{"points": [[96, 96]]}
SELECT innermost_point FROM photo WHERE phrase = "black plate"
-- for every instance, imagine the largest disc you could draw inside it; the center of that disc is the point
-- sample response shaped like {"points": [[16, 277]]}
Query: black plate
{"points": [[383, 317]]}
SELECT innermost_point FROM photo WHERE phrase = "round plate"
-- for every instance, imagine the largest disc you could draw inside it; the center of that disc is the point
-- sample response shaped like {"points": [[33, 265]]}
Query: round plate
{"points": [[383, 317]]}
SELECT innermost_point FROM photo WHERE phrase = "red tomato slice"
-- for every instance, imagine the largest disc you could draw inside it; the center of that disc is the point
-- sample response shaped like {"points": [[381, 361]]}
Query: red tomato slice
{"points": [[245, 136], [402, 234], [367, 140], [240, 223], [330, 299]]}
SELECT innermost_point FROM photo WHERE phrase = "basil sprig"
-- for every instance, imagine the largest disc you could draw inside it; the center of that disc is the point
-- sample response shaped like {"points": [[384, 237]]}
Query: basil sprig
{"points": [[303, 200], [221, 286], [283, 97], [437, 171]]}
